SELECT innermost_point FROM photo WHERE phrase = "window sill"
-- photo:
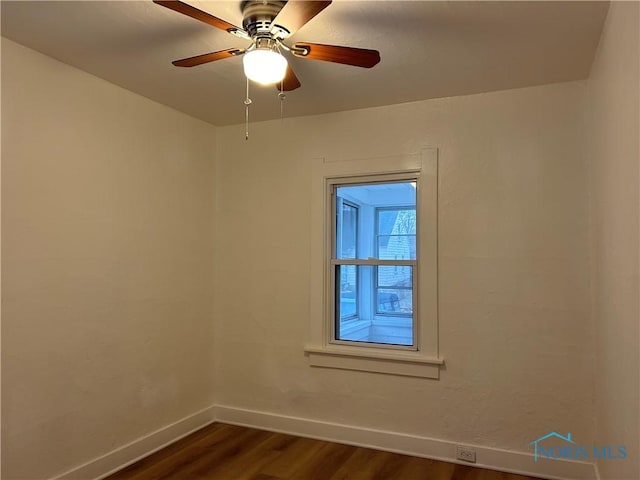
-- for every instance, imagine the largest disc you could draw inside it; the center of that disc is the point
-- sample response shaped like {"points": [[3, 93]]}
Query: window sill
{"points": [[392, 363]]}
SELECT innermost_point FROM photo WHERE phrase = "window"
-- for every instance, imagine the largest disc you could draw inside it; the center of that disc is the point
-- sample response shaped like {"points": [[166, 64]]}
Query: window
{"points": [[373, 265], [373, 260]]}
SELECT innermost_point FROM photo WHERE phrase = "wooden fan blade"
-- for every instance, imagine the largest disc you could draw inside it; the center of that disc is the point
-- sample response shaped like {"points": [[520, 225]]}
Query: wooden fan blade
{"points": [[290, 81], [208, 57], [296, 13], [193, 12], [358, 57]]}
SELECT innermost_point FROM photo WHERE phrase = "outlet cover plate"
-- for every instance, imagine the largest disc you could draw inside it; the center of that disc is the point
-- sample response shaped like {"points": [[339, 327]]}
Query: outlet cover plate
{"points": [[466, 454]]}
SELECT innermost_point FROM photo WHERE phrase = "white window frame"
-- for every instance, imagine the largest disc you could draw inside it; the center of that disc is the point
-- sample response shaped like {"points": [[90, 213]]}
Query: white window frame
{"points": [[424, 361]]}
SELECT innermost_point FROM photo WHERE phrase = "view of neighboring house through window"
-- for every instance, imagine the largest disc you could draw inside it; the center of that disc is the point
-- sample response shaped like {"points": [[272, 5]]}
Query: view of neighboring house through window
{"points": [[374, 260]]}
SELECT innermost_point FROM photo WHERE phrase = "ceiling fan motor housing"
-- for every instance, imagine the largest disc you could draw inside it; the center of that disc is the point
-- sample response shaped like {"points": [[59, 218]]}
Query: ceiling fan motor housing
{"points": [[258, 16]]}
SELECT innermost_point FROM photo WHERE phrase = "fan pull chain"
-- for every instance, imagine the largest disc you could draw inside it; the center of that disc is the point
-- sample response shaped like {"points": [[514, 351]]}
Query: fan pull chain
{"points": [[247, 102], [281, 96]]}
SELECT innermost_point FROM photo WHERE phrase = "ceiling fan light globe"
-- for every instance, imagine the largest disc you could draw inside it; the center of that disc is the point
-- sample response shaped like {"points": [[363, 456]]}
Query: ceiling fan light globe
{"points": [[264, 66]]}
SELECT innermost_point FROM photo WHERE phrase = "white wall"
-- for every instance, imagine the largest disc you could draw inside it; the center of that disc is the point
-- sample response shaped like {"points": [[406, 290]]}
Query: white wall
{"points": [[107, 255], [514, 268], [614, 134]]}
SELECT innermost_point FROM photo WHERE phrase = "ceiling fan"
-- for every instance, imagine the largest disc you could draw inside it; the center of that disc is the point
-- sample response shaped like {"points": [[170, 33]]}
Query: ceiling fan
{"points": [[267, 24]]}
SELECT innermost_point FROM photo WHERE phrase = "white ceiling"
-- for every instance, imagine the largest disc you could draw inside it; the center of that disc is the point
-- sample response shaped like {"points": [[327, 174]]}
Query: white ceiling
{"points": [[428, 50]]}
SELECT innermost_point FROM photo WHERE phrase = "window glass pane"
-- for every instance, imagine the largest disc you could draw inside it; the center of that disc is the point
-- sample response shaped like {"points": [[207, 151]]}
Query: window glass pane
{"points": [[395, 301], [397, 221], [346, 229], [347, 291], [369, 314], [396, 233], [395, 276], [376, 220], [397, 247]]}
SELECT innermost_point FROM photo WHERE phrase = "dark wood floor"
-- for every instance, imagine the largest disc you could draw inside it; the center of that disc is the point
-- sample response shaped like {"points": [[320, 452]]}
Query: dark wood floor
{"points": [[228, 452]]}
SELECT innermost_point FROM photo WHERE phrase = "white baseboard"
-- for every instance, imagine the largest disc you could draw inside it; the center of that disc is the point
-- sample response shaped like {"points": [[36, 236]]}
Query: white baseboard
{"points": [[496, 459], [132, 452]]}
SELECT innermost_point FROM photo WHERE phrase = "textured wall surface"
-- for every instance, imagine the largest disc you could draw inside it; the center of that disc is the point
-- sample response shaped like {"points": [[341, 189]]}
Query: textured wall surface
{"points": [[614, 137], [107, 246], [514, 268]]}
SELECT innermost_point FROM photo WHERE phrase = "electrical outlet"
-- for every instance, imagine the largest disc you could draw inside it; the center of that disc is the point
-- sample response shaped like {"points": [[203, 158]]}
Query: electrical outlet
{"points": [[466, 454]]}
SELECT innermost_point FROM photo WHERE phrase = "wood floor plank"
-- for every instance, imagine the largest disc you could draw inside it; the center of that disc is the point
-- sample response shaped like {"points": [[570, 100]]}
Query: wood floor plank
{"points": [[324, 463], [415, 468], [294, 457], [389, 466], [264, 476], [176, 454], [208, 466], [243, 467], [362, 465], [228, 452], [463, 472]]}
